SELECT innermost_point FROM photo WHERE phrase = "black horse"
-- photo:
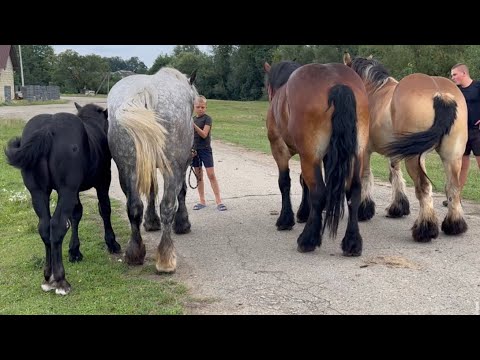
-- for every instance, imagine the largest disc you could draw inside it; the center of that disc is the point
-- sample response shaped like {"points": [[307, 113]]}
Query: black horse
{"points": [[68, 153]]}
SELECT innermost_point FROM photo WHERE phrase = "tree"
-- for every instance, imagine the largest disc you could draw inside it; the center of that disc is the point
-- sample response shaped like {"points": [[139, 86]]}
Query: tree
{"points": [[75, 73], [160, 61], [116, 63], [134, 64], [221, 70], [177, 50], [246, 81], [38, 63]]}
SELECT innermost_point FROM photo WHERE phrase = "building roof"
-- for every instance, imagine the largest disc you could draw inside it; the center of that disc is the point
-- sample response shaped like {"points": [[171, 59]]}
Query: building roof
{"points": [[5, 52]]}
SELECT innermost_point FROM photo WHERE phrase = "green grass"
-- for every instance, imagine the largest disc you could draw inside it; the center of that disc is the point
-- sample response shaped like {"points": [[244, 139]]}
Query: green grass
{"points": [[240, 123], [28, 102], [100, 283], [243, 123]]}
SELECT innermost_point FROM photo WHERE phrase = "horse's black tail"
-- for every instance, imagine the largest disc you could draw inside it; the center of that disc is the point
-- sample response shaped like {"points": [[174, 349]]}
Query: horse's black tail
{"points": [[24, 155], [413, 144], [341, 153]]}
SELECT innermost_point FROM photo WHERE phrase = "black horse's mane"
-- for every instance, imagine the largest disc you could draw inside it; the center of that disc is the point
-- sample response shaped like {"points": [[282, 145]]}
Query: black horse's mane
{"points": [[280, 73]]}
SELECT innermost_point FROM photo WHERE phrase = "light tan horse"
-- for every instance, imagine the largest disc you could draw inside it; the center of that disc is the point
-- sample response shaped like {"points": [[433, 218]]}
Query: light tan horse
{"points": [[409, 118], [319, 111]]}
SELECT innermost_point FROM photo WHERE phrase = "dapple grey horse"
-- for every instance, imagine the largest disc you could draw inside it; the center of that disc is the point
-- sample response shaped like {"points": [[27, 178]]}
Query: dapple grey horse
{"points": [[150, 127]]}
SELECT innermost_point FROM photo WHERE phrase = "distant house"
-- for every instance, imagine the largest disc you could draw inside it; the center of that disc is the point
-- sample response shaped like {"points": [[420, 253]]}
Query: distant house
{"points": [[8, 63]]}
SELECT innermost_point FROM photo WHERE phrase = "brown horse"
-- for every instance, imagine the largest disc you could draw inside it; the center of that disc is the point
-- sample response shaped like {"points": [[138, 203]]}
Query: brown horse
{"points": [[409, 118], [319, 111]]}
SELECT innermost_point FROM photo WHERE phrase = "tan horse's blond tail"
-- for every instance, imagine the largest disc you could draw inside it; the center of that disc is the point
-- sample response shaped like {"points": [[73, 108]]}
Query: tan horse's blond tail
{"points": [[149, 137]]}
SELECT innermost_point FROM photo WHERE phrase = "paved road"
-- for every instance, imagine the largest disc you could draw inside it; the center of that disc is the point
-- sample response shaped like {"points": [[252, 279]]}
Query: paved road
{"points": [[28, 111], [236, 262]]}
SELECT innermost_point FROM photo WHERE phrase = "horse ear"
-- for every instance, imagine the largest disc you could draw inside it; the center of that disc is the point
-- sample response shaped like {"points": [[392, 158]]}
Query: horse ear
{"points": [[266, 67], [370, 57], [192, 77], [77, 106], [347, 59]]}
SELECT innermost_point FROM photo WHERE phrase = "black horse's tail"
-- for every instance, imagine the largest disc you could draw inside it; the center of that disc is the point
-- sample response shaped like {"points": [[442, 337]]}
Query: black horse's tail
{"points": [[24, 155], [413, 144], [341, 153]]}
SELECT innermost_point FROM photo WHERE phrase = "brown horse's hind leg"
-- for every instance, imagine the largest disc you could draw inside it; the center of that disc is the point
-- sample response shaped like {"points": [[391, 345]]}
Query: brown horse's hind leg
{"points": [[366, 209], [454, 222], [310, 237], [352, 242], [304, 208], [425, 227], [400, 205], [282, 155]]}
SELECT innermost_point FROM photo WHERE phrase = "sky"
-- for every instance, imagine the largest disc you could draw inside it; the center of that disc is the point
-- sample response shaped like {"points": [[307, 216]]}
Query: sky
{"points": [[146, 53]]}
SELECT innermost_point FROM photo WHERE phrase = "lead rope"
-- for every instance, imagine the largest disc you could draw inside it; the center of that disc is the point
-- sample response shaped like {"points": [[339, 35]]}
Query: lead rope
{"points": [[192, 170]]}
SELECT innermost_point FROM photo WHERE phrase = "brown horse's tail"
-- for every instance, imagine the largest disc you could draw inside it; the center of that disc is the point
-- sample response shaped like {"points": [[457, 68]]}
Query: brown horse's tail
{"points": [[413, 144], [149, 136], [341, 152]]}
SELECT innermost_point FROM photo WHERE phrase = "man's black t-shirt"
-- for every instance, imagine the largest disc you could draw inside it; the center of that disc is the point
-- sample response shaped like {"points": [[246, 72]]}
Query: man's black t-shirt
{"points": [[472, 96]]}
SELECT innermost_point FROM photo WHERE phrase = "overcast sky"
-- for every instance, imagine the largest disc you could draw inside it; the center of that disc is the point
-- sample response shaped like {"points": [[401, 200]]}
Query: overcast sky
{"points": [[146, 53]]}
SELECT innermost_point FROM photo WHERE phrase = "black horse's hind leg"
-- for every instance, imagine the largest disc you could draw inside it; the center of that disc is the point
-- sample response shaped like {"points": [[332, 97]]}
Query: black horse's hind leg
{"points": [[59, 224], [181, 224], [135, 252], [105, 210], [41, 204], [311, 237], [286, 220], [352, 242], [74, 253], [304, 209], [166, 258], [152, 220]]}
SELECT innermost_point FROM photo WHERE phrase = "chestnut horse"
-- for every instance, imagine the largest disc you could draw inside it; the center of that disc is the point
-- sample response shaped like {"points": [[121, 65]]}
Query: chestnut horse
{"points": [[409, 118], [319, 111]]}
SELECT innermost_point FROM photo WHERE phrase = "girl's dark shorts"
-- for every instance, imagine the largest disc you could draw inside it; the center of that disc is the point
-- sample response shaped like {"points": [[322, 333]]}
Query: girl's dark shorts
{"points": [[204, 156]]}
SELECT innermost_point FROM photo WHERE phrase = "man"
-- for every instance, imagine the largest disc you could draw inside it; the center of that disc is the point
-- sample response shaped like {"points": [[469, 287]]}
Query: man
{"points": [[471, 90]]}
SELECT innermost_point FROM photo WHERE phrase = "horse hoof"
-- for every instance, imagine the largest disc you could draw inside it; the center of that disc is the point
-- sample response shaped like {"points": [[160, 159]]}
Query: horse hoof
{"points": [[115, 248], [75, 257], [303, 248], [167, 267], [47, 286], [152, 226], [400, 207], [285, 221], [352, 244], [182, 229], [135, 255], [366, 210], [424, 232], [284, 227], [454, 227], [352, 253], [62, 287]]}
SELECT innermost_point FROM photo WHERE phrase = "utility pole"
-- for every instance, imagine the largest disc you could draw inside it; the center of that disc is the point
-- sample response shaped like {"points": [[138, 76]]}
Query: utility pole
{"points": [[21, 63]]}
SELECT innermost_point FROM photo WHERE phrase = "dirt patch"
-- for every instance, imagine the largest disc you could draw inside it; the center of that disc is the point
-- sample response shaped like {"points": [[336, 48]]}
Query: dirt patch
{"points": [[392, 262]]}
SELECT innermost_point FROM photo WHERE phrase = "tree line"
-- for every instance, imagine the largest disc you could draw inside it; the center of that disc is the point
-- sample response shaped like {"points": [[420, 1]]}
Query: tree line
{"points": [[232, 72]]}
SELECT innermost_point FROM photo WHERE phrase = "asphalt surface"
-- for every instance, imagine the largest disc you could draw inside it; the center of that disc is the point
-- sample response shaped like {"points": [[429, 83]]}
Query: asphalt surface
{"points": [[236, 262]]}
